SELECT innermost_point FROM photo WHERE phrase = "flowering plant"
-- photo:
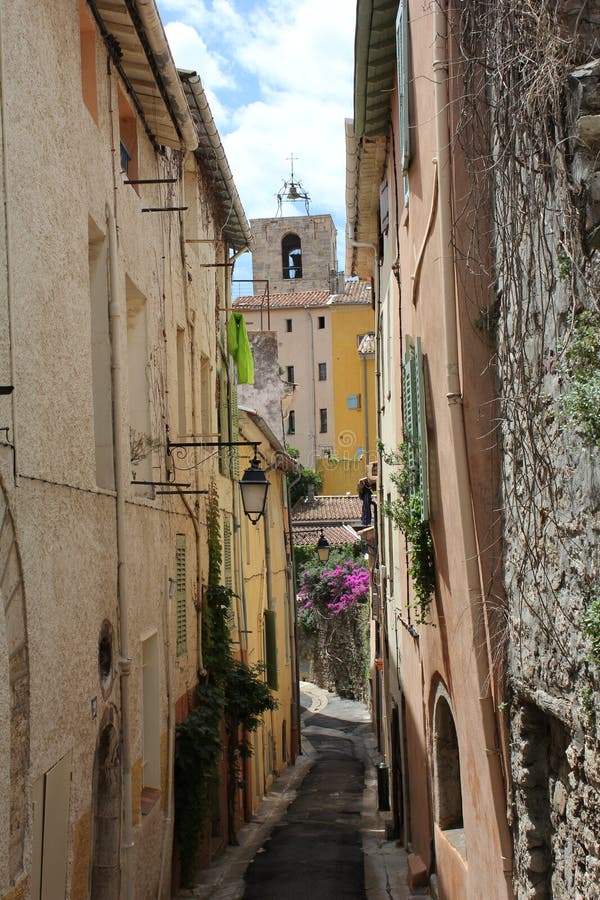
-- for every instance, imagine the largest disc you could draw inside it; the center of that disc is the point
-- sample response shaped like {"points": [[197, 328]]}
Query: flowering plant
{"points": [[336, 589]]}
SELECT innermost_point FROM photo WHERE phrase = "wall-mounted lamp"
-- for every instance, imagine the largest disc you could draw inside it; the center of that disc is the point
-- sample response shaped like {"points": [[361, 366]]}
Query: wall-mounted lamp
{"points": [[254, 487], [323, 548]]}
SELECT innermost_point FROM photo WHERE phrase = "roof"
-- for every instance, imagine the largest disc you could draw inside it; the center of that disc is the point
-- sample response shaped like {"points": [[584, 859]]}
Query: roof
{"points": [[365, 166], [140, 52], [356, 293], [335, 535], [375, 65], [336, 508], [213, 160]]}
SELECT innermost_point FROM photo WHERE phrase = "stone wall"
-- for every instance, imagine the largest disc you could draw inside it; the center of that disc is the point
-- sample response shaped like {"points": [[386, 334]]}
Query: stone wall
{"points": [[548, 273]]}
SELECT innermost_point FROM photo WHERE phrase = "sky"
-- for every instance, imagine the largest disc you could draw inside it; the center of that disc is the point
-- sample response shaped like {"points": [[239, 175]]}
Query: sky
{"points": [[279, 79]]}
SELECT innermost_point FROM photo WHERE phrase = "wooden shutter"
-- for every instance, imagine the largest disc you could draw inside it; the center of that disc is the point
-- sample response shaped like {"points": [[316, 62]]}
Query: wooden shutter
{"points": [[181, 578], [422, 431], [271, 648], [223, 421], [227, 557], [403, 86], [235, 431]]}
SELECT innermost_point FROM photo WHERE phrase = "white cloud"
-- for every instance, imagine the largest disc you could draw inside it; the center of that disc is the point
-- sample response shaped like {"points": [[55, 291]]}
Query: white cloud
{"points": [[298, 59]]}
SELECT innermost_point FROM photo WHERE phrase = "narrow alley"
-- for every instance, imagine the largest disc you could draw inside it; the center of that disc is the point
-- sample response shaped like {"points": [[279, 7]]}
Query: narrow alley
{"points": [[318, 832]]}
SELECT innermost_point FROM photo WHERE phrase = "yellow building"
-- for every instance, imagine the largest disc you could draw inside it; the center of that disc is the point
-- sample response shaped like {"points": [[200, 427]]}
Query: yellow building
{"points": [[268, 604]]}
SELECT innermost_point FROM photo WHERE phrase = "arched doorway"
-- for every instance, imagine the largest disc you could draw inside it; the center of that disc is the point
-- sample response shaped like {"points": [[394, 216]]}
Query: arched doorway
{"points": [[106, 872]]}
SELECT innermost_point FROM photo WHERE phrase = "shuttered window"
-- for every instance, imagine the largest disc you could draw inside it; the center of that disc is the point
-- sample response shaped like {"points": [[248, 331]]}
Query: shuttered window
{"points": [[402, 62], [227, 556], [223, 422], [414, 421], [235, 432], [180, 578]]}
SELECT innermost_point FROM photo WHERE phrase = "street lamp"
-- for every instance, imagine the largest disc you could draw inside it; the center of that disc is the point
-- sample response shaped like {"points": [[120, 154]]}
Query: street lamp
{"points": [[323, 548], [254, 487]]}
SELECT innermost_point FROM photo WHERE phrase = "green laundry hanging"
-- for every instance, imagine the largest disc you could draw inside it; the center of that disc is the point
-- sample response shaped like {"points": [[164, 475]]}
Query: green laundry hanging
{"points": [[239, 347]]}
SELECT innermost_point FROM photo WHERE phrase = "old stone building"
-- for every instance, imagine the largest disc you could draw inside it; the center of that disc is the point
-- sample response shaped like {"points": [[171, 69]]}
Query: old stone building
{"points": [[320, 321]]}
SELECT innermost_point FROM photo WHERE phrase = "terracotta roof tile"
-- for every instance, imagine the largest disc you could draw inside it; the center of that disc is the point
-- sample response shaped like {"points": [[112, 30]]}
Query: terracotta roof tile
{"points": [[357, 292], [328, 508], [335, 534]]}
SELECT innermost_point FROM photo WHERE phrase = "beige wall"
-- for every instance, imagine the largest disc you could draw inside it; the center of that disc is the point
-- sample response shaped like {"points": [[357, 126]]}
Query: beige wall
{"points": [[59, 180]]}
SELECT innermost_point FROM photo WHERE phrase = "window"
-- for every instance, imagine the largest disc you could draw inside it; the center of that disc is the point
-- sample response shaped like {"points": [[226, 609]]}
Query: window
{"points": [[87, 43], [403, 89], [323, 421], [291, 422], [290, 374], [138, 389], [322, 371], [181, 593], [181, 417], [354, 401], [291, 256], [414, 425], [100, 341], [288, 325], [321, 322], [128, 137], [150, 714]]}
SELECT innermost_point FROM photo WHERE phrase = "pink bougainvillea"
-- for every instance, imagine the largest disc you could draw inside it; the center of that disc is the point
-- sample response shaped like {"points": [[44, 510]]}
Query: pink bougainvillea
{"points": [[335, 590]]}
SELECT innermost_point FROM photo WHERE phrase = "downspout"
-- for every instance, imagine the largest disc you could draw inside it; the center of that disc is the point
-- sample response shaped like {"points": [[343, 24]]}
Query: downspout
{"points": [[457, 427], [120, 440], [366, 393], [169, 585]]}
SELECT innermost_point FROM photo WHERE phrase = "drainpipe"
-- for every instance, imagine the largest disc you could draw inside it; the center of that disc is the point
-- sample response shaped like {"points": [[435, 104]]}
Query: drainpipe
{"points": [[169, 586], [121, 440], [458, 443]]}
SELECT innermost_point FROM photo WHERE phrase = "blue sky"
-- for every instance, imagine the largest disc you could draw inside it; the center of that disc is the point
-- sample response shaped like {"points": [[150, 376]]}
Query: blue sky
{"points": [[279, 79]]}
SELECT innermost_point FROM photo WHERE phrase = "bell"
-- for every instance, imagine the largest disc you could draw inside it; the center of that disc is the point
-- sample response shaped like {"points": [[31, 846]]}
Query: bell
{"points": [[293, 193]]}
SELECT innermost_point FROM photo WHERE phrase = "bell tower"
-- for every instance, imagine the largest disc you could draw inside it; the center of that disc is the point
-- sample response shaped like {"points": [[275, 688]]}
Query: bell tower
{"points": [[295, 253]]}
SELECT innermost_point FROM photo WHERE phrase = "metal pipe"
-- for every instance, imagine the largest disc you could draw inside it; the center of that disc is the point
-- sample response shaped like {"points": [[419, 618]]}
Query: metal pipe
{"points": [[458, 437], [120, 440]]}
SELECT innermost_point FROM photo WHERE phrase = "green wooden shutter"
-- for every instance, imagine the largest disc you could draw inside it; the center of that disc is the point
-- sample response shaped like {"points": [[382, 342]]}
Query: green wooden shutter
{"points": [[409, 410], [227, 557], [422, 431], [180, 582], [402, 64], [271, 648]]}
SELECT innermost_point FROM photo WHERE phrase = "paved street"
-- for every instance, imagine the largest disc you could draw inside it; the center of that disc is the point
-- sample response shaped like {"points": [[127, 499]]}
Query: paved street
{"points": [[316, 848], [318, 832]]}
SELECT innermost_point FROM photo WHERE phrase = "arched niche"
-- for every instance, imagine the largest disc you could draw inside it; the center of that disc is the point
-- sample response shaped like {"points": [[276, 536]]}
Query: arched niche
{"points": [[106, 805], [291, 256], [446, 763]]}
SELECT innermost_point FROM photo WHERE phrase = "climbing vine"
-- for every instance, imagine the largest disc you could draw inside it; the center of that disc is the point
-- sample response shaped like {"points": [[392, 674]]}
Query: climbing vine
{"points": [[514, 122], [405, 512], [228, 692]]}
